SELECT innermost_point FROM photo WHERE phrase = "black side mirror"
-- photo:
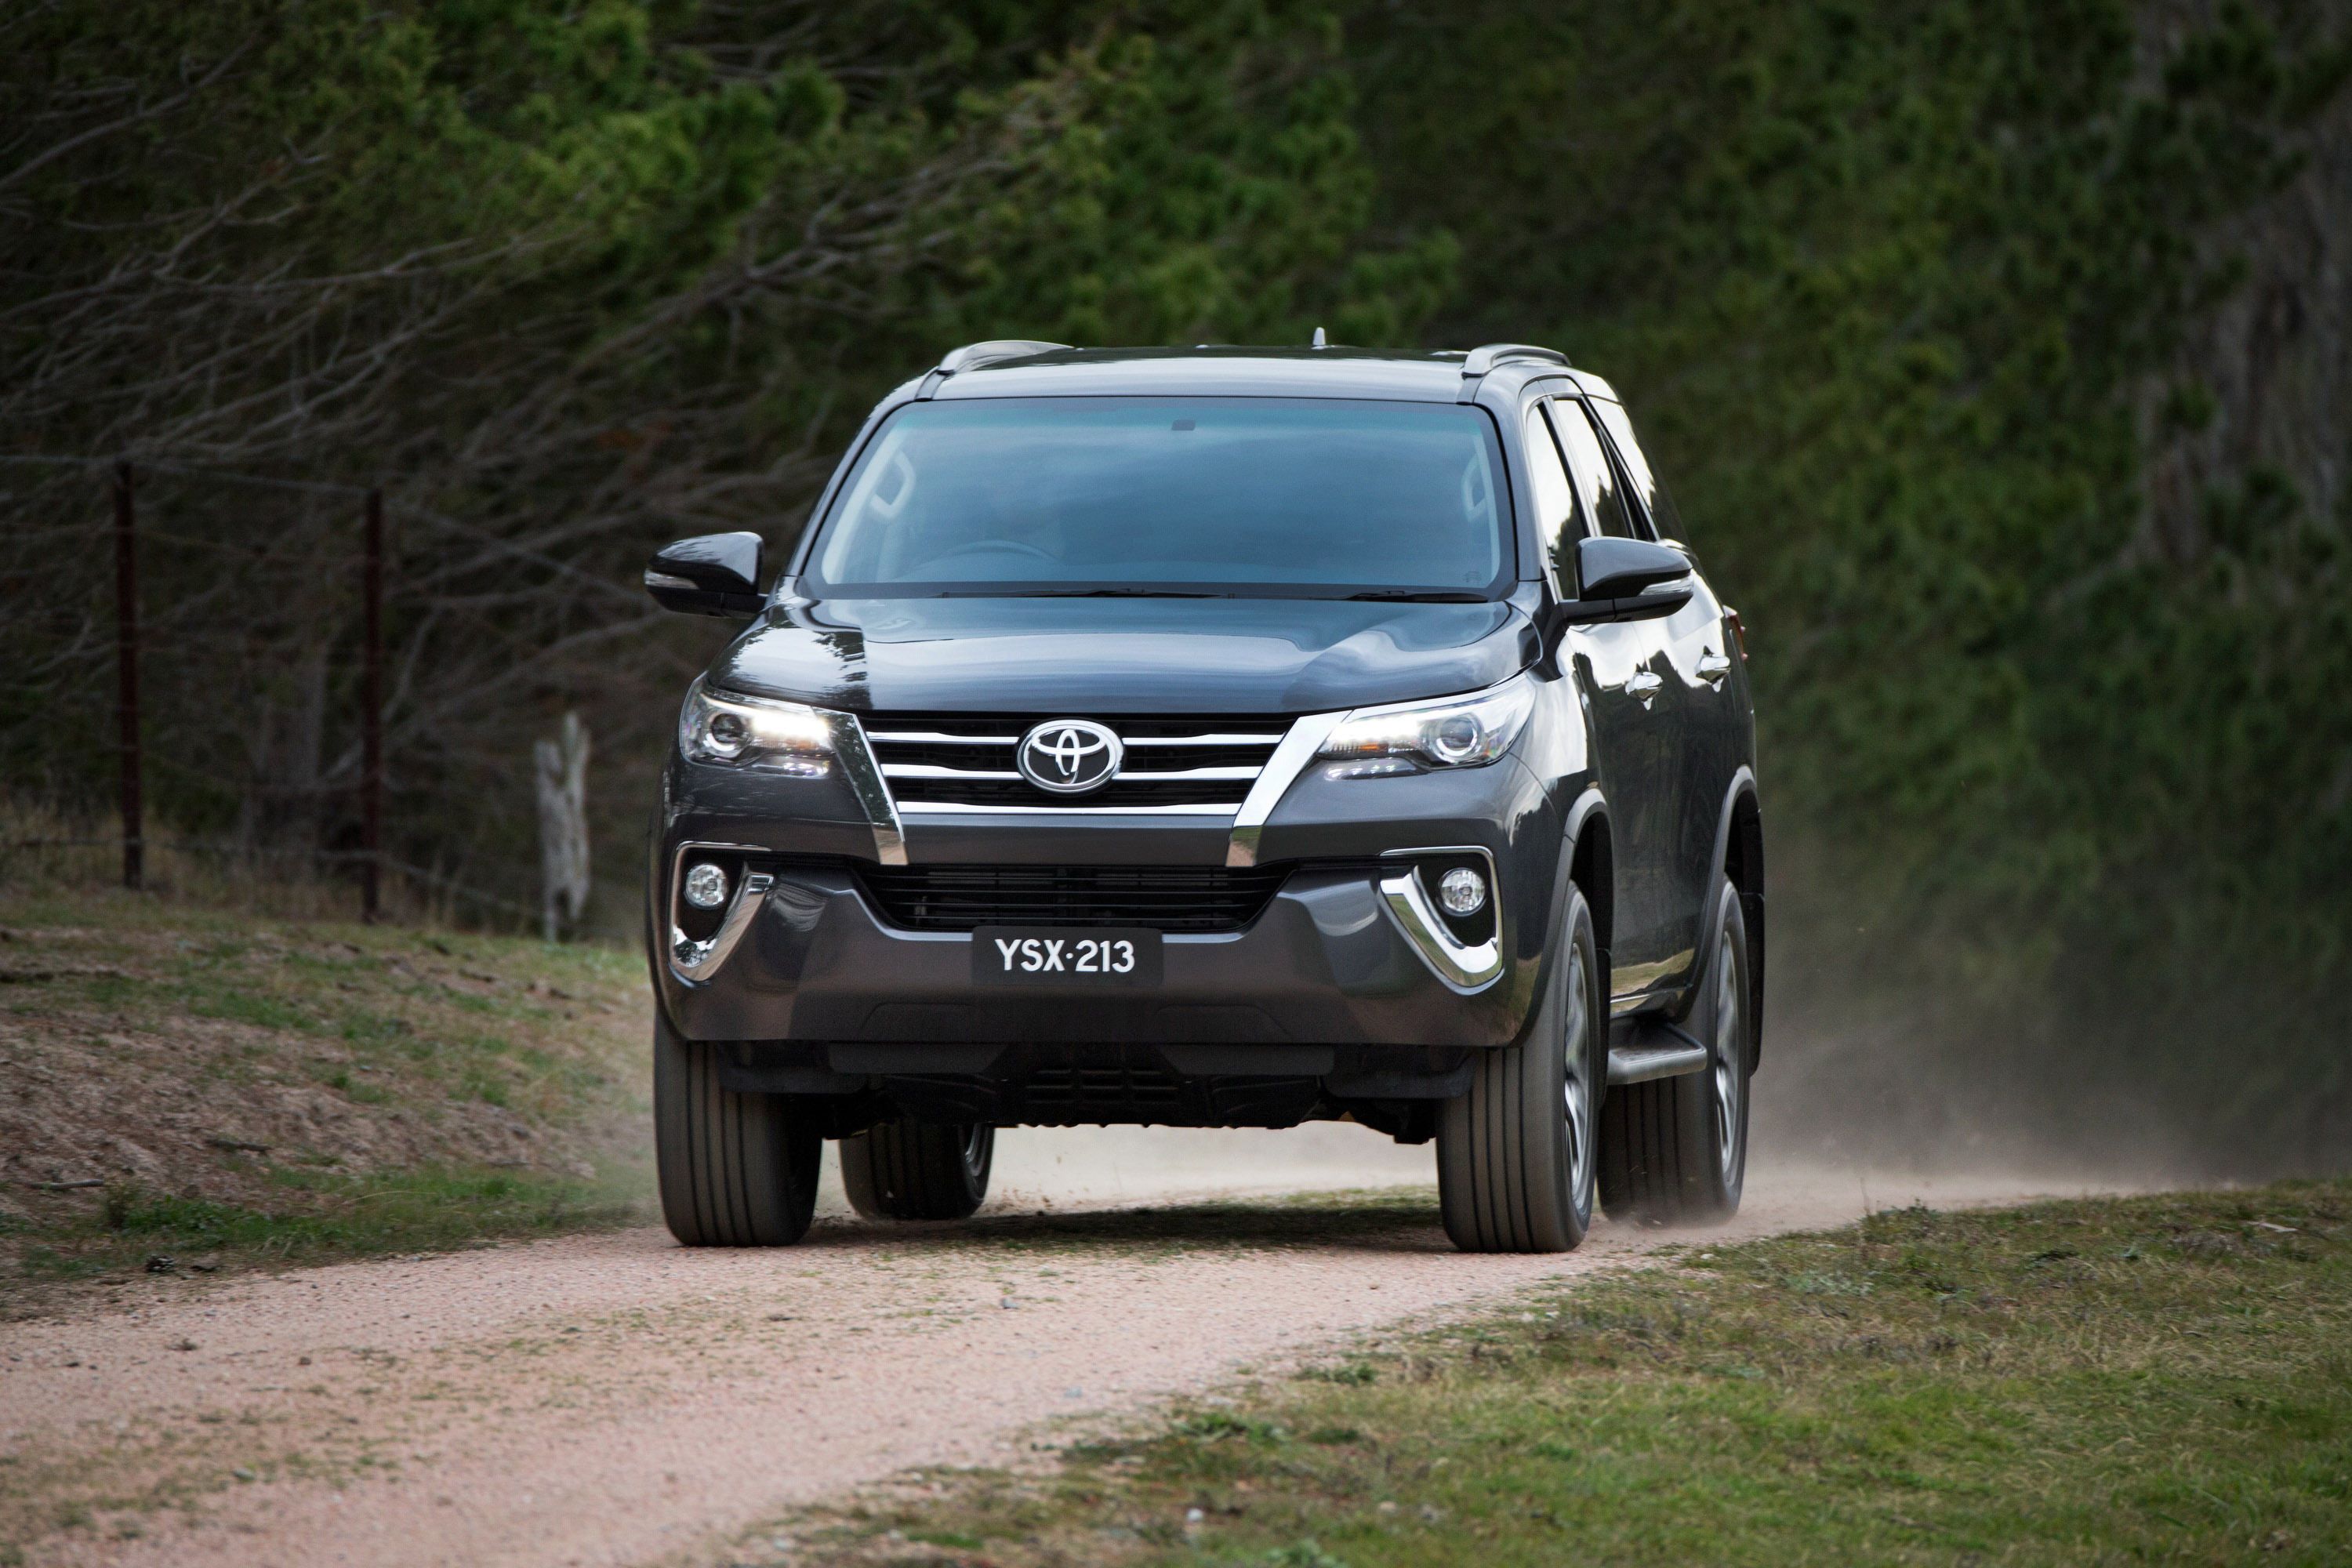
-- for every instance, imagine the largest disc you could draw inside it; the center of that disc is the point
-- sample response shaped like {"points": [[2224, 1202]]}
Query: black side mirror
{"points": [[1627, 580], [713, 574]]}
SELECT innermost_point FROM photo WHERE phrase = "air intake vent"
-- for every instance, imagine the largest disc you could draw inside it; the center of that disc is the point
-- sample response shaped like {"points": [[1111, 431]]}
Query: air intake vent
{"points": [[1125, 1089], [1174, 765], [1163, 897]]}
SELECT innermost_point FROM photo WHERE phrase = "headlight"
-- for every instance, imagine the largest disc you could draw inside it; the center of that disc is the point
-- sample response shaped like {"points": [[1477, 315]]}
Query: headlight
{"points": [[760, 733], [1458, 733]]}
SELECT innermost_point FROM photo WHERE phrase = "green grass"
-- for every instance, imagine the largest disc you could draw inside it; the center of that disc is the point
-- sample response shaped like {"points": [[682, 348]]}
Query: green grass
{"points": [[338, 1218], [2104, 1381], [300, 1090]]}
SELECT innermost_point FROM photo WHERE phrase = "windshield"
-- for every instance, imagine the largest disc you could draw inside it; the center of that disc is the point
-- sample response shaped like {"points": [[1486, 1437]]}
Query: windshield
{"points": [[1309, 499]]}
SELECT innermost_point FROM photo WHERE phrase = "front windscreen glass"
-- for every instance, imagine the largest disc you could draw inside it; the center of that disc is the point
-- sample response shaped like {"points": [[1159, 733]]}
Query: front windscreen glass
{"points": [[1127, 495]]}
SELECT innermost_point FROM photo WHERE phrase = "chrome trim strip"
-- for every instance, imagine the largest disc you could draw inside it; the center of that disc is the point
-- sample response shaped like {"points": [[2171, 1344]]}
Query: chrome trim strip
{"points": [[1069, 809], [932, 738], [1281, 771], [1634, 1000], [696, 961], [865, 783], [935, 771], [1235, 774], [1463, 967], [1640, 1064], [1125, 775]]}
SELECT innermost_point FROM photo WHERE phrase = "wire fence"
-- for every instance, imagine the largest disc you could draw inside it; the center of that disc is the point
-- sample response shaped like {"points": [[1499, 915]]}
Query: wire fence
{"points": [[294, 555], [232, 850]]}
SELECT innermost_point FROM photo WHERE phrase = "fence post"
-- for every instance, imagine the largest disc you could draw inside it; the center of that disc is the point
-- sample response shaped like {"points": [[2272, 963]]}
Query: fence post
{"points": [[372, 714], [126, 669]]}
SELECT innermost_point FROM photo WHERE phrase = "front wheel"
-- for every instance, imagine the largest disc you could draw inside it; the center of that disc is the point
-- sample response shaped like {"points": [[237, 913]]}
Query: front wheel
{"points": [[1515, 1155], [736, 1170], [919, 1169], [1674, 1150]]}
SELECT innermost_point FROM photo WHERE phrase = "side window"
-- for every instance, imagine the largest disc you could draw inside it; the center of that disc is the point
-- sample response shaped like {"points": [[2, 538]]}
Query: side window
{"points": [[1663, 519], [1594, 476], [1554, 503]]}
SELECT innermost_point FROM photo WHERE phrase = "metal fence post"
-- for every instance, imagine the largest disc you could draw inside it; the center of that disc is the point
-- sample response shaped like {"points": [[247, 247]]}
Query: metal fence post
{"points": [[126, 665], [372, 714]]}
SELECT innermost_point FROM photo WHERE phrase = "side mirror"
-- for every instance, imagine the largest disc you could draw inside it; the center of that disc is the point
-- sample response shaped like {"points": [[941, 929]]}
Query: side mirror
{"points": [[713, 574], [1627, 580]]}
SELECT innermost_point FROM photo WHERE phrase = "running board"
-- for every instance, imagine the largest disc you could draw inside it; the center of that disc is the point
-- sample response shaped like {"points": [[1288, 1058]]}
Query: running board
{"points": [[1646, 1047]]}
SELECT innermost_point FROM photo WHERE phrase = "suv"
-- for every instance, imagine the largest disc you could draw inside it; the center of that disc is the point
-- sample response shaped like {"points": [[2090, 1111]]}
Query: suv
{"points": [[1214, 738]]}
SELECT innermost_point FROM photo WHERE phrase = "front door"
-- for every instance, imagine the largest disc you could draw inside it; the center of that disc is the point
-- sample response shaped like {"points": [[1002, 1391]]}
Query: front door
{"points": [[1624, 673], [1714, 734], [1625, 670]]}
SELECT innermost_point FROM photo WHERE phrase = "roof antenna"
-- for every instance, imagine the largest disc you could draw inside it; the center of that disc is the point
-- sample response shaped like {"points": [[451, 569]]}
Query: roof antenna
{"points": [[1318, 338]]}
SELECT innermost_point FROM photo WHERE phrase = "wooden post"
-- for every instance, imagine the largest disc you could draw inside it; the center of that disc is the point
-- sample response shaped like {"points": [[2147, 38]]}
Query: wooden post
{"points": [[126, 671], [372, 714], [563, 774]]}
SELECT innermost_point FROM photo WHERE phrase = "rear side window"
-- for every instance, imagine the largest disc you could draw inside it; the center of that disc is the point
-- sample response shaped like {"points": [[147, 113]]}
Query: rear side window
{"points": [[1589, 461], [1648, 489], [1553, 503]]}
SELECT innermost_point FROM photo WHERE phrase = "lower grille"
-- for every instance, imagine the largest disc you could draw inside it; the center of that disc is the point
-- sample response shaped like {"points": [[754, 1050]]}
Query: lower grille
{"points": [[1128, 1088], [1161, 898]]}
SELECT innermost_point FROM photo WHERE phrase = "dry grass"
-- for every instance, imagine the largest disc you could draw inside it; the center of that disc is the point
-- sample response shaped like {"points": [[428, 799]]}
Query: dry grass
{"points": [[177, 1077], [43, 854]]}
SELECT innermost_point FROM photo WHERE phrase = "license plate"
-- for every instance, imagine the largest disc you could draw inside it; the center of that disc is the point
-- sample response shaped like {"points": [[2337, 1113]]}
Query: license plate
{"points": [[1048, 955]]}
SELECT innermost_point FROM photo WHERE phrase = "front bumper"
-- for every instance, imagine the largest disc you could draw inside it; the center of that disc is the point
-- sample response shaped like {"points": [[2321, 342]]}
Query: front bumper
{"points": [[1334, 959]]}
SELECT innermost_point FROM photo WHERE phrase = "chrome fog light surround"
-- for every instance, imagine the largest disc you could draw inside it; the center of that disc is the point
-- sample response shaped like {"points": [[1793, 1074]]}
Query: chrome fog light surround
{"points": [[694, 961], [1464, 966]]}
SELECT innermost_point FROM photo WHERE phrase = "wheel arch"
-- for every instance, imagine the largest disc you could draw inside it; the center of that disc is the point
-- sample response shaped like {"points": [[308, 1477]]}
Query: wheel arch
{"points": [[1592, 866], [1740, 856]]}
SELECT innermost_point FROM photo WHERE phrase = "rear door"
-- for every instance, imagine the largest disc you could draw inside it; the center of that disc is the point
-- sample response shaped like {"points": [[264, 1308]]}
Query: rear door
{"points": [[1619, 666]]}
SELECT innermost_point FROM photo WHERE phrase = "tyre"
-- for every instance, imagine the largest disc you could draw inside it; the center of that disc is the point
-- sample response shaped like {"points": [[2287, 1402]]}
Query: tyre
{"points": [[737, 1170], [1515, 1155], [1674, 1150], [918, 1169]]}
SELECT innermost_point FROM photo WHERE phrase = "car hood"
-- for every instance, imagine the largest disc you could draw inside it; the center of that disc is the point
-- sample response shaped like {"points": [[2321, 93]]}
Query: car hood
{"points": [[1123, 656]]}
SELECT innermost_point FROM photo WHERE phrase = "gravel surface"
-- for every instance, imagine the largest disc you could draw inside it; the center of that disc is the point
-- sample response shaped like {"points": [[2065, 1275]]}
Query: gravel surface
{"points": [[611, 1399]]}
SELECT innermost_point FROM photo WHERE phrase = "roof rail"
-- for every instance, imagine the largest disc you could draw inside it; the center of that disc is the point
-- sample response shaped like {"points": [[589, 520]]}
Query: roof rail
{"points": [[1486, 356], [971, 356]]}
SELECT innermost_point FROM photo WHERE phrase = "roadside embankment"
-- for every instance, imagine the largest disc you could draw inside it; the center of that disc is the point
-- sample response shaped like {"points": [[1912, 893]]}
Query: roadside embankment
{"points": [[186, 1089]]}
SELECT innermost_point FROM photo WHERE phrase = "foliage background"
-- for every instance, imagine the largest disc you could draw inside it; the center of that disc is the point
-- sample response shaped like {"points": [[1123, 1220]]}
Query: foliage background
{"points": [[1999, 354]]}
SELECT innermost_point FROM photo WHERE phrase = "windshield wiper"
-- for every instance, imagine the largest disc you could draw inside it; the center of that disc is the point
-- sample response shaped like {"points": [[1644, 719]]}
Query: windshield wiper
{"points": [[1422, 595]]}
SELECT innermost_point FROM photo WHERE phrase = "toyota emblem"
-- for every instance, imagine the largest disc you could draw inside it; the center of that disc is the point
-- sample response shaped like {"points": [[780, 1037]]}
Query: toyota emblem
{"points": [[1069, 756]]}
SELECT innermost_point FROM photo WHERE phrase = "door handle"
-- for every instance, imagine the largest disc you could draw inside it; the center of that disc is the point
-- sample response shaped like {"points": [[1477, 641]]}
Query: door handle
{"points": [[1643, 685], [1713, 667]]}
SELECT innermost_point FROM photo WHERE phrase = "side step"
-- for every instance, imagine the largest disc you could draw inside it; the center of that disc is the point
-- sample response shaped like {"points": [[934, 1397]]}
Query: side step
{"points": [[1641, 1049]]}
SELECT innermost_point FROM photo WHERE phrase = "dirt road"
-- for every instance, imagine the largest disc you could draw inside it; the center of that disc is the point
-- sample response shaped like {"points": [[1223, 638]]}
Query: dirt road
{"points": [[614, 1399]]}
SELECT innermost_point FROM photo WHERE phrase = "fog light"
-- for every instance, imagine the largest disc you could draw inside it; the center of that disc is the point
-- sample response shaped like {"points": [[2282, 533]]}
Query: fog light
{"points": [[1462, 890], [706, 885]]}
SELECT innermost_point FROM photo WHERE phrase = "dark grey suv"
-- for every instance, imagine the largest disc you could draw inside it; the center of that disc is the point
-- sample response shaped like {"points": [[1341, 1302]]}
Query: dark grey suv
{"points": [[1217, 737]]}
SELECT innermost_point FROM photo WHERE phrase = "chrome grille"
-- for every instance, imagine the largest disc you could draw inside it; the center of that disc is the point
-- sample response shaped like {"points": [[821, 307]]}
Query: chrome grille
{"points": [[1176, 765]]}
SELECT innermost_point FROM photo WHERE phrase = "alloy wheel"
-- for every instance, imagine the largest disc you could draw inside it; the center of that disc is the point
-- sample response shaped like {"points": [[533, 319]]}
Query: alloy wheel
{"points": [[1576, 1081], [1731, 1048]]}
